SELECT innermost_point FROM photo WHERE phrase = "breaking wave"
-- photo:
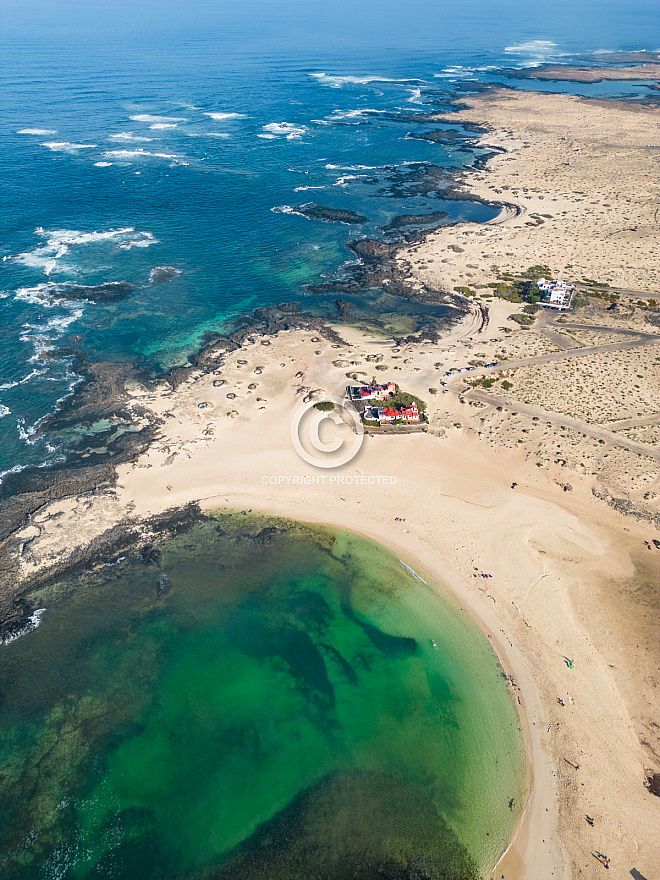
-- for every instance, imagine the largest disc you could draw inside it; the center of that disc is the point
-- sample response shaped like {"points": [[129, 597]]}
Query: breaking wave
{"points": [[66, 147], [221, 116], [146, 117], [288, 130], [60, 242], [337, 82], [32, 623], [129, 136], [536, 52], [139, 154]]}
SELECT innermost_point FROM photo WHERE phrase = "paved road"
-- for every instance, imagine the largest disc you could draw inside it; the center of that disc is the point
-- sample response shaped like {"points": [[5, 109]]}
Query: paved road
{"points": [[635, 339], [545, 325], [623, 331]]}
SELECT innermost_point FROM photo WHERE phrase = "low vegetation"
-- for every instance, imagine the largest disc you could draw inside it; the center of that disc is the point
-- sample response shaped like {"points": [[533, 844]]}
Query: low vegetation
{"points": [[402, 398]]}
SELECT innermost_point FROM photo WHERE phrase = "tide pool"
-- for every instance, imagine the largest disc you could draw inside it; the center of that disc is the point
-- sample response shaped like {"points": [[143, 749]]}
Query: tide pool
{"points": [[255, 698]]}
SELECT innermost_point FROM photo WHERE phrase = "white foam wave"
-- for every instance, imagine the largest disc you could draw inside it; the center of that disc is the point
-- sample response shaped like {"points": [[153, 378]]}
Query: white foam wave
{"points": [[139, 154], [352, 167], [59, 243], [221, 116], [66, 147], [286, 209], [412, 572], [337, 82], [145, 241], [267, 137], [42, 336], [33, 620], [537, 47], [38, 131], [215, 134], [458, 72], [23, 432], [305, 188], [102, 164], [344, 181], [351, 114], [536, 52], [4, 410], [415, 96], [285, 129], [128, 136], [31, 375], [13, 470], [146, 117], [163, 126]]}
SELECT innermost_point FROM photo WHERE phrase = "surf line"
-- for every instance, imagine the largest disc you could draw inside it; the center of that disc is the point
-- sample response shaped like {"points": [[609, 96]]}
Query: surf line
{"points": [[413, 573]]}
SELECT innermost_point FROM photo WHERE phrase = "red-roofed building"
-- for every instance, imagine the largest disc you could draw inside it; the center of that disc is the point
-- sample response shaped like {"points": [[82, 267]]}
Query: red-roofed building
{"points": [[410, 413], [371, 392], [387, 414]]}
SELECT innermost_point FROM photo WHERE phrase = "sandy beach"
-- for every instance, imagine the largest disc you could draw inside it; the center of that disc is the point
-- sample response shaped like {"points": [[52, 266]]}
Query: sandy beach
{"points": [[495, 485]]}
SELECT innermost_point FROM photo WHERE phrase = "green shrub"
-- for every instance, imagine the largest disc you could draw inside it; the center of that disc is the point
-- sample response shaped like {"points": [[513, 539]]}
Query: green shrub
{"points": [[402, 398], [524, 320]]}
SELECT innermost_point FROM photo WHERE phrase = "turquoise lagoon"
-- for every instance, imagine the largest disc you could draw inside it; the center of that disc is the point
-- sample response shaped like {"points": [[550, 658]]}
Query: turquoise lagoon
{"points": [[260, 699]]}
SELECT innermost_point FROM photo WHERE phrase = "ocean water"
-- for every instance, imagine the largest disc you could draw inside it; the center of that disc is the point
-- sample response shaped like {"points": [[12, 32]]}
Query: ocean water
{"points": [[138, 136], [291, 703]]}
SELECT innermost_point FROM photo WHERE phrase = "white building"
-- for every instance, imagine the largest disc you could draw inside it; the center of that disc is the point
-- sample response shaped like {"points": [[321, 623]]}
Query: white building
{"points": [[555, 294]]}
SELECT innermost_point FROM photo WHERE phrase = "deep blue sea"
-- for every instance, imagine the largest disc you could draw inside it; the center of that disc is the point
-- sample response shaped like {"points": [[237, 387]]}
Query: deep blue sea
{"points": [[145, 135]]}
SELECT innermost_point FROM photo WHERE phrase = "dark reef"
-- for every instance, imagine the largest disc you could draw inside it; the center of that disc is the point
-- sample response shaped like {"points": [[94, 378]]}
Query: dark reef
{"points": [[439, 136], [112, 291], [162, 274], [330, 215], [353, 825], [403, 220]]}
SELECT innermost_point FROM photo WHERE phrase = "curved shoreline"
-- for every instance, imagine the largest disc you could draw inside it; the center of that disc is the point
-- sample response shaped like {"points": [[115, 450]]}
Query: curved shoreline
{"points": [[520, 856], [564, 564]]}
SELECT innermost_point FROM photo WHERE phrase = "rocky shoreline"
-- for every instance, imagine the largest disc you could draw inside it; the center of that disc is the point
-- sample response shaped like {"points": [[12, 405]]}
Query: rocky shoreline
{"points": [[129, 536], [102, 393]]}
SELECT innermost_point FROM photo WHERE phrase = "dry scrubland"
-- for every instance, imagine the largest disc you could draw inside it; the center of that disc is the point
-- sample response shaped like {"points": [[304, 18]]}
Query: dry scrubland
{"points": [[523, 345], [585, 174], [587, 338], [598, 389], [644, 433]]}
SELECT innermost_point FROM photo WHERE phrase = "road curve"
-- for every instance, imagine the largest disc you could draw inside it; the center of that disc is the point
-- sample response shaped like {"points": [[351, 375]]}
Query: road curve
{"points": [[561, 421], [635, 340]]}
